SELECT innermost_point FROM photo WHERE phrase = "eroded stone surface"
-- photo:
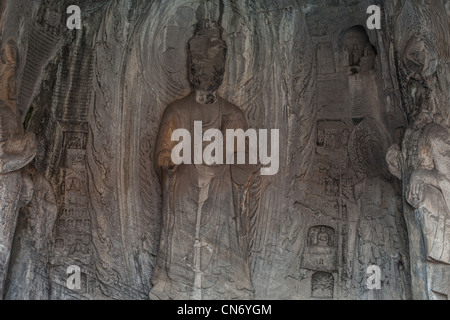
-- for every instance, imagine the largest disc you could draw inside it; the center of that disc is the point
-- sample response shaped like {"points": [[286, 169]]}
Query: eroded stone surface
{"points": [[340, 94], [17, 150]]}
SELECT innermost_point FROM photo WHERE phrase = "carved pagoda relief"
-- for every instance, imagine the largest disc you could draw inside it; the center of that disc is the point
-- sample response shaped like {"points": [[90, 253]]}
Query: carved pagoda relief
{"points": [[102, 177]]}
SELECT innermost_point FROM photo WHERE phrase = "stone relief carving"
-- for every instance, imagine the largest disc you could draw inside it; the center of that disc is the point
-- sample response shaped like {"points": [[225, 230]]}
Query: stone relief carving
{"points": [[322, 285], [309, 68], [206, 232], [17, 150], [360, 52], [321, 239], [30, 280], [422, 163], [376, 234], [321, 249]]}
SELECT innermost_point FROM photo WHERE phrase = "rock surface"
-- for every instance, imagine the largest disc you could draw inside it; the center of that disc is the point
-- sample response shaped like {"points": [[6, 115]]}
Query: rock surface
{"points": [[342, 96]]}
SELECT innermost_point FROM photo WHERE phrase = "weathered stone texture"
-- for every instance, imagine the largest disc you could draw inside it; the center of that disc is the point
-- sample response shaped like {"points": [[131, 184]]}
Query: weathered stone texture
{"points": [[342, 96]]}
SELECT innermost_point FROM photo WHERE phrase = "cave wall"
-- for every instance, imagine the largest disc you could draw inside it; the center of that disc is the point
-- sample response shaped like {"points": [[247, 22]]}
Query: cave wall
{"points": [[95, 97]]}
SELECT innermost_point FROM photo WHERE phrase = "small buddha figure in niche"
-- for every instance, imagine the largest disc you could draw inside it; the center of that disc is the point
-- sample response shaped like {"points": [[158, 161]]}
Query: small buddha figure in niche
{"points": [[323, 243], [320, 138], [322, 238], [369, 50], [356, 56], [368, 59]]}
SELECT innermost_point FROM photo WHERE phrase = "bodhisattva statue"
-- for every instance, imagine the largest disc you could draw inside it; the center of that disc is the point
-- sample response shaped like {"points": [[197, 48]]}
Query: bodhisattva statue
{"points": [[204, 244], [422, 162], [376, 233], [16, 151]]}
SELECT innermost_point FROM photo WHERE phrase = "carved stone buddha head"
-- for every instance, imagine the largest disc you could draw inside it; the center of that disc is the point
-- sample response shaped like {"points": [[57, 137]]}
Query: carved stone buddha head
{"points": [[206, 58]]}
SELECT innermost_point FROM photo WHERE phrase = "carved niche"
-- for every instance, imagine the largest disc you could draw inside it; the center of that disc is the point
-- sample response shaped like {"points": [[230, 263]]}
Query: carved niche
{"points": [[320, 252], [322, 285], [360, 52]]}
